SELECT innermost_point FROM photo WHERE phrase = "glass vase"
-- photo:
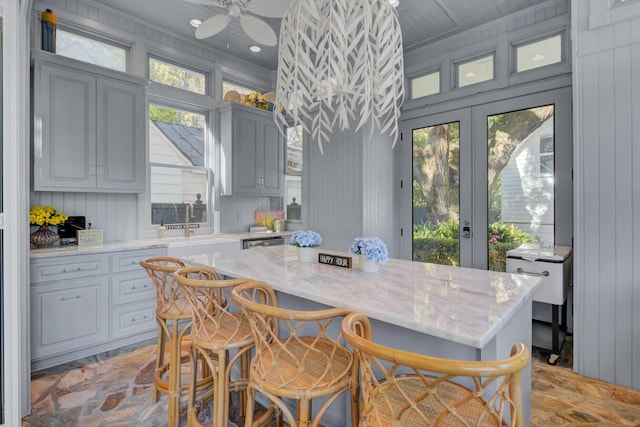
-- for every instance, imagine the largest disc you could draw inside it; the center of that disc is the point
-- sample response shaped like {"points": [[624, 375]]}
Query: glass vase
{"points": [[43, 237]]}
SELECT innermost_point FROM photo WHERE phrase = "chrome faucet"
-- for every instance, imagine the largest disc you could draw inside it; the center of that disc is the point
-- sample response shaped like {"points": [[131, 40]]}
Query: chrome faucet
{"points": [[187, 230]]}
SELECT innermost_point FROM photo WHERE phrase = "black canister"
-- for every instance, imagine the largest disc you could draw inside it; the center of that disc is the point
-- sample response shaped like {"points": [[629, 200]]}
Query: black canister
{"points": [[49, 22]]}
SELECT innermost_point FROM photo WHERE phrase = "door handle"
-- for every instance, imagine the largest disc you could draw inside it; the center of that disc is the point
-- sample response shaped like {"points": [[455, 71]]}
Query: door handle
{"points": [[466, 230]]}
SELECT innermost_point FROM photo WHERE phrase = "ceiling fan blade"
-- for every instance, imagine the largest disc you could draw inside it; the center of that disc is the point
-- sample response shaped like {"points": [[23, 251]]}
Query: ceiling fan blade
{"points": [[212, 26], [269, 8], [258, 30]]}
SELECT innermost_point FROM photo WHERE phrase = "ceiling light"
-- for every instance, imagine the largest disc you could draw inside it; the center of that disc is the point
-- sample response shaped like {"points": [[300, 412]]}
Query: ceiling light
{"points": [[538, 57], [195, 23], [255, 48], [470, 74], [353, 75], [394, 3]]}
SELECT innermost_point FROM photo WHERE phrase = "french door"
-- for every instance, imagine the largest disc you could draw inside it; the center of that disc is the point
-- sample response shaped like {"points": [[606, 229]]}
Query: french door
{"points": [[481, 180]]}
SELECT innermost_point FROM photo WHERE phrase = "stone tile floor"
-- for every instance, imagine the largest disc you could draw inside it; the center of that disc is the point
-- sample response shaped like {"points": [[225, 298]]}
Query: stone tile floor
{"points": [[115, 389]]}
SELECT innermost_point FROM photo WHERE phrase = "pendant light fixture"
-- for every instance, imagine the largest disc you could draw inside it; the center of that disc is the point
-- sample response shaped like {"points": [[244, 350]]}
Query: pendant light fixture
{"points": [[340, 64]]}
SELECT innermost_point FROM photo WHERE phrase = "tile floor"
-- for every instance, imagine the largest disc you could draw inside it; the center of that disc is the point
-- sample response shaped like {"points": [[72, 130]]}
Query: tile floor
{"points": [[114, 389]]}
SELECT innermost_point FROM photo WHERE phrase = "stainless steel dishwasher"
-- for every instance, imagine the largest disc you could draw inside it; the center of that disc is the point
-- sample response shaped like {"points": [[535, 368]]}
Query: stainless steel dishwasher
{"points": [[262, 241]]}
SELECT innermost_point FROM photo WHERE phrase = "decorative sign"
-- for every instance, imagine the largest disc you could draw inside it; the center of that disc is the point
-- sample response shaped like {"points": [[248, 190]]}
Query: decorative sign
{"points": [[337, 260], [89, 237], [181, 226]]}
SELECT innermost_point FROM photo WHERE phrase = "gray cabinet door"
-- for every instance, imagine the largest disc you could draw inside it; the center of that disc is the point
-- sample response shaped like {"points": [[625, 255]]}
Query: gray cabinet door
{"points": [[246, 140], [120, 136], [69, 315], [64, 129], [257, 151], [273, 155]]}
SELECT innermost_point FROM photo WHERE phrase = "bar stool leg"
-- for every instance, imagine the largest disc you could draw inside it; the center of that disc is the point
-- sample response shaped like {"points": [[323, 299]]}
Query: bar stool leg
{"points": [[174, 376], [159, 356], [220, 406], [304, 412], [193, 359]]}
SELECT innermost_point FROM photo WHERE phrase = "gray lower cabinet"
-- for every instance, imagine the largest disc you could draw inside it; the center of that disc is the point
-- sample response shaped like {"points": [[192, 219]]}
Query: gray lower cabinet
{"points": [[82, 305]]}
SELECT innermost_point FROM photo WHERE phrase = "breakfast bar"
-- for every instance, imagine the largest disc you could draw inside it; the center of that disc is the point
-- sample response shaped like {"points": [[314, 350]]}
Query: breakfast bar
{"points": [[432, 309]]}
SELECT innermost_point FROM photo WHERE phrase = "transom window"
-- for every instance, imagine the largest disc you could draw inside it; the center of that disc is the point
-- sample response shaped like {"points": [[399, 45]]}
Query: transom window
{"points": [[91, 50], [538, 54], [475, 71], [428, 84], [177, 76]]}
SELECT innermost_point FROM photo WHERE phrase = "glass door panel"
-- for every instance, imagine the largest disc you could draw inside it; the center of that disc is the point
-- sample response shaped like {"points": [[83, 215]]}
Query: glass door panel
{"points": [[520, 178], [436, 194]]}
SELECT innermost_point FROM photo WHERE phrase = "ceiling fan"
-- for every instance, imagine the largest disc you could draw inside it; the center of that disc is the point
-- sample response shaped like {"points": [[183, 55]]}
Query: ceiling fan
{"points": [[253, 26]]}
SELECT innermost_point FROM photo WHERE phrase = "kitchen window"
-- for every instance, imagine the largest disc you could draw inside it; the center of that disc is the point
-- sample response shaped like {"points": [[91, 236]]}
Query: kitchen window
{"points": [[92, 50], [177, 157]]}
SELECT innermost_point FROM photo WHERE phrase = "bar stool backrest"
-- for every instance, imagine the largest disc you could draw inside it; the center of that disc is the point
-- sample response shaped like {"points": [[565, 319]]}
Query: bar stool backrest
{"points": [[409, 389], [170, 298]]}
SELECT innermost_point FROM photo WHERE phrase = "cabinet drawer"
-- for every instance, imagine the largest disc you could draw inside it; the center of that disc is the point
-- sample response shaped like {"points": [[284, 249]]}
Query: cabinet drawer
{"points": [[130, 260], [133, 319], [132, 286], [554, 287], [63, 268], [69, 315]]}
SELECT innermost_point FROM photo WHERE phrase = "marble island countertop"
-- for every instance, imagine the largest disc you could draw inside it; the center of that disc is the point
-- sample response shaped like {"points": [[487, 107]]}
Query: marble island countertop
{"points": [[466, 306]]}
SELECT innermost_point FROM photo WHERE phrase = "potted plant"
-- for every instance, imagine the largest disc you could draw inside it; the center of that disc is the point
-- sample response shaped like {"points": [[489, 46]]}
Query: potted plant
{"points": [[305, 241], [372, 251], [45, 216]]}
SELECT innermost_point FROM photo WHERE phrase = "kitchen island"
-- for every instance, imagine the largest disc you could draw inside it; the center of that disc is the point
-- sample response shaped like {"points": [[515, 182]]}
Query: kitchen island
{"points": [[426, 308]]}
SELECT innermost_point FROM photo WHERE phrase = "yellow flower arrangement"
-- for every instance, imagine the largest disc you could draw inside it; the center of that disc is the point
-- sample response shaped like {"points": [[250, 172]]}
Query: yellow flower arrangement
{"points": [[46, 215], [258, 100]]}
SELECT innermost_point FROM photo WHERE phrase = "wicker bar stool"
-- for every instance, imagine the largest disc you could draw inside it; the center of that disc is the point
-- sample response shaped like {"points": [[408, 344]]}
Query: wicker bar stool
{"points": [[172, 311], [414, 390], [222, 337], [299, 357]]}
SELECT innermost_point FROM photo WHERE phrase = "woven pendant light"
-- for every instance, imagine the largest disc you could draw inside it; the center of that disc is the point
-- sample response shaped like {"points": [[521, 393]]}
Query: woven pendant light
{"points": [[340, 63]]}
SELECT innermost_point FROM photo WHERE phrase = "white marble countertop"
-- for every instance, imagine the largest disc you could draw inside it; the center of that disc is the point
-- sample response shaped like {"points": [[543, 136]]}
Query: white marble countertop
{"points": [[462, 305], [149, 243]]}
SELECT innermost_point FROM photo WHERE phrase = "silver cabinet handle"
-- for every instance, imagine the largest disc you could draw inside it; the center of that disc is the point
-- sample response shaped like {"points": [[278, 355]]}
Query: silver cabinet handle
{"points": [[545, 273], [69, 299]]}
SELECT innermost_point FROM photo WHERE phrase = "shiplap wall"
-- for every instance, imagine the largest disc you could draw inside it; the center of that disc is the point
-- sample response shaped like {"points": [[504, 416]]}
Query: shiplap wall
{"points": [[607, 190], [118, 214], [350, 192]]}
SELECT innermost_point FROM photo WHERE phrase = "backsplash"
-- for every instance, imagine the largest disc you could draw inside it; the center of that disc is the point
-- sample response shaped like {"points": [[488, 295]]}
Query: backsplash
{"points": [[116, 214]]}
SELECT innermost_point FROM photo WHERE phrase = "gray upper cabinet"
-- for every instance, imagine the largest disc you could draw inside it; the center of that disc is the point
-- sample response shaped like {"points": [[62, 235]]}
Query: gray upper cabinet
{"points": [[88, 129], [252, 151]]}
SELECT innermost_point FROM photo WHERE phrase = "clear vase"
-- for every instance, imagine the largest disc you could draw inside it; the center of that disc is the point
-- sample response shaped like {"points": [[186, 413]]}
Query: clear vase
{"points": [[369, 266], [306, 254], [43, 237]]}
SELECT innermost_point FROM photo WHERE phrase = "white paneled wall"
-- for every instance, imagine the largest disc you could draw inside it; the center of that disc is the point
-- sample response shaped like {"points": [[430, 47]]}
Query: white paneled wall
{"points": [[114, 213], [607, 190], [350, 190]]}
